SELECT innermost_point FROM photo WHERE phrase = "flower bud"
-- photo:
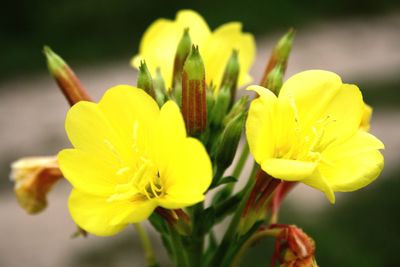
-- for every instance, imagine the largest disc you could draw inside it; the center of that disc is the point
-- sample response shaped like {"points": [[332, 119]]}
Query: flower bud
{"points": [[238, 108], [220, 107], [144, 80], [280, 55], [229, 141], [65, 78], [231, 75], [159, 88], [33, 179], [275, 79], [194, 107], [182, 53]]}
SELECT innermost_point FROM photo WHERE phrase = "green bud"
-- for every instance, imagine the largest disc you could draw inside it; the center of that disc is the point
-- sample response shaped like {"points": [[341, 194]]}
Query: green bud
{"points": [[238, 108], [144, 80], [275, 79], [231, 75], [229, 141], [194, 106], [280, 55], [210, 98], [159, 88], [65, 78], [220, 107], [182, 53]]}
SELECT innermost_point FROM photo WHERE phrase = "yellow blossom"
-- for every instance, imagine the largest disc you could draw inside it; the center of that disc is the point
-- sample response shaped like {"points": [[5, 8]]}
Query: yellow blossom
{"points": [[160, 41], [311, 133], [129, 157]]}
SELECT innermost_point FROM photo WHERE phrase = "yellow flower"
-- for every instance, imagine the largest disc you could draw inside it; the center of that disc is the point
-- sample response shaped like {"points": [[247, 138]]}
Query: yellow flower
{"points": [[311, 134], [159, 43], [130, 157]]}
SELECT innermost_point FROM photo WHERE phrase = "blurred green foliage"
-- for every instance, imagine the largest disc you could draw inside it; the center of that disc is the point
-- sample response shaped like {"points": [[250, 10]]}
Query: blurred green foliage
{"points": [[88, 31]]}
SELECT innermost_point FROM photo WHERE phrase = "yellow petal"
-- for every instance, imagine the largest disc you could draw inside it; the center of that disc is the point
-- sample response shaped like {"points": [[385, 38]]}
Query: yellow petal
{"points": [[133, 115], [172, 127], [97, 216], [366, 118], [188, 175], [218, 48], [319, 182], [260, 129], [320, 98], [160, 41], [89, 130], [354, 163], [287, 169], [87, 172]]}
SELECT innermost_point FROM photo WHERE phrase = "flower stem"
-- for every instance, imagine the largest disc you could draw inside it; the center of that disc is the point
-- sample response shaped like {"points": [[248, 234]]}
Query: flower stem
{"points": [[229, 238], [178, 250], [242, 160], [249, 242], [148, 248]]}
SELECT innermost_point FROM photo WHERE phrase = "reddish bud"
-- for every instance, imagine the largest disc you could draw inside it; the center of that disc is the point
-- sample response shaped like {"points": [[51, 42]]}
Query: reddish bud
{"points": [[65, 78]]}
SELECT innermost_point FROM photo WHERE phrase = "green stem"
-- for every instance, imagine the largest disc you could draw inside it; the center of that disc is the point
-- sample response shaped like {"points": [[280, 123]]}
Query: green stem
{"points": [[229, 237], [178, 250], [241, 162], [228, 189], [227, 206], [148, 248], [195, 248], [249, 242]]}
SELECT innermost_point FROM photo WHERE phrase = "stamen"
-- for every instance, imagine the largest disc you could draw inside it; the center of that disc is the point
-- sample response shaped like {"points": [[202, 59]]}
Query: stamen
{"points": [[113, 149], [123, 170]]}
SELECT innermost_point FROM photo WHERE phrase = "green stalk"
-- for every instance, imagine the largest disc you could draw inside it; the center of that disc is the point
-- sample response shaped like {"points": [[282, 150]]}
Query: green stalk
{"points": [[249, 242], [230, 234], [178, 250], [146, 243], [242, 160], [228, 189], [195, 247]]}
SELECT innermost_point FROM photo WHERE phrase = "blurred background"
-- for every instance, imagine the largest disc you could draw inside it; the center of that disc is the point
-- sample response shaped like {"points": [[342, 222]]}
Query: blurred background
{"points": [[359, 40]]}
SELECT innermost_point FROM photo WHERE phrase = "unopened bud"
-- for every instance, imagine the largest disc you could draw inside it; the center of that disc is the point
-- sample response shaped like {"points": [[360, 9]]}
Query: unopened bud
{"points": [[34, 177], [210, 98], [144, 80], [238, 108], [65, 78], [159, 88], [194, 107], [280, 55], [231, 75], [182, 53], [220, 107], [275, 79], [229, 141]]}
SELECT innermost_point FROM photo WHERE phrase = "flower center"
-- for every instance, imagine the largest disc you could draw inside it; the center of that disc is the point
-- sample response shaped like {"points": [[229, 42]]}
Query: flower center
{"points": [[306, 143], [145, 183]]}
